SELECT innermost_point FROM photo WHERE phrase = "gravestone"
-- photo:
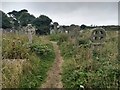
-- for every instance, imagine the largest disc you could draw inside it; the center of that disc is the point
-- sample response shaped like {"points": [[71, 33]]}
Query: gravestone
{"points": [[74, 33], [55, 24], [97, 38], [61, 29], [30, 31], [98, 35]]}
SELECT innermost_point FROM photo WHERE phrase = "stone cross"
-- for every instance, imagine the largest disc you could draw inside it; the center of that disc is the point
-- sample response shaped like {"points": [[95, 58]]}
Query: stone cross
{"points": [[98, 35], [97, 38]]}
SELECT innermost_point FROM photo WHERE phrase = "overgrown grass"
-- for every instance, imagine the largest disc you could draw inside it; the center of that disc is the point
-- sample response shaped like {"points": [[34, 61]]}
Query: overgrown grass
{"points": [[39, 58], [59, 38], [90, 68]]}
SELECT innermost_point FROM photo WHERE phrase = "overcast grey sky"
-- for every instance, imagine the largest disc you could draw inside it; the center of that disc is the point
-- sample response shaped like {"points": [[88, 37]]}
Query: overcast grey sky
{"points": [[67, 13]]}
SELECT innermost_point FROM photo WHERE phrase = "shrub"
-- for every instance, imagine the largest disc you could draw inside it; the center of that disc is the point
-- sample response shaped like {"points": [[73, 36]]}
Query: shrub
{"points": [[59, 38], [42, 50]]}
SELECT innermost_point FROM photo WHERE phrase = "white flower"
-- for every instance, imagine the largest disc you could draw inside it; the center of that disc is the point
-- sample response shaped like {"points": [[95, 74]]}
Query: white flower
{"points": [[81, 86], [97, 58]]}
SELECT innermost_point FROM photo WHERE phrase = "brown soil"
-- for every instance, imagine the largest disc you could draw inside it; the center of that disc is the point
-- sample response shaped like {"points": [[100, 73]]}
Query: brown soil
{"points": [[53, 79]]}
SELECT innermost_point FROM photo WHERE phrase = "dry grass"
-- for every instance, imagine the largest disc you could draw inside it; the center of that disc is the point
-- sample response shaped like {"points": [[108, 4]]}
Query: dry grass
{"points": [[12, 72]]}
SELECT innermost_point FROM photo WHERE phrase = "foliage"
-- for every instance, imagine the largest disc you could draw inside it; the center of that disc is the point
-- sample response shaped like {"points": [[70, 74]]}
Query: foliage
{"points": [[59, 38], [21, 18], [80, 42], [5, 20], [83, 26], [67, 50], [25, 19], [54, 37], [90, 68], [41, 50], [14, 48], [42, 23], [33, 70]]}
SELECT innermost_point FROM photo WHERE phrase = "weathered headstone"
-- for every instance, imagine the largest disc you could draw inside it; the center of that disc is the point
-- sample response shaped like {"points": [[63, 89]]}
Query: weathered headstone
{"points": [[30, 32], [98, 35], [97, 38], [55, 24], [61, 29], [74, 33]]}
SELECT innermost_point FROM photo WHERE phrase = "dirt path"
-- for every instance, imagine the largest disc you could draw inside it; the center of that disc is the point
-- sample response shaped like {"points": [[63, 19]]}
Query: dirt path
{"points": [[53, 79]]}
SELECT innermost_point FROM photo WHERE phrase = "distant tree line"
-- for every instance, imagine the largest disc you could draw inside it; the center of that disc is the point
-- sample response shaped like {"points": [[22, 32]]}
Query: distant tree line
{"points": [[18, 19]]}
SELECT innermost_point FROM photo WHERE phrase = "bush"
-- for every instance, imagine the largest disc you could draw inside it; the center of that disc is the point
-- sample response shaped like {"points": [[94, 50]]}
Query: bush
{"points": [[42, 50], [59, 38]]}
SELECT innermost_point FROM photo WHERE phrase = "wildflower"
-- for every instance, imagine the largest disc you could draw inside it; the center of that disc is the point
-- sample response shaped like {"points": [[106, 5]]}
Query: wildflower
{"points": [[81, 86], [97, 58], [4, 39]]}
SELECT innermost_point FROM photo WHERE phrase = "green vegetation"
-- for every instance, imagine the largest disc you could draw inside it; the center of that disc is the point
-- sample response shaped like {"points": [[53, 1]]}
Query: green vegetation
{"points": [[19, 19], [90, 68], [59, 38], [25, 65], [5, 21], [42, 23], [32, 61]]}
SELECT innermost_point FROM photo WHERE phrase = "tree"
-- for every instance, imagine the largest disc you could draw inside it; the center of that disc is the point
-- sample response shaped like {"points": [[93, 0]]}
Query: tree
{"points": [[55, 23], [25, 19], [42, 23], [83, 26], [21, 18], [5, 20], [14, 15]]}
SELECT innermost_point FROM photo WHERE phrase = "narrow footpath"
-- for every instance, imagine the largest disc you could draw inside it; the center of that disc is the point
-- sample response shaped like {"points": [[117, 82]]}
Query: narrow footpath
{"points": [[53, 79]]}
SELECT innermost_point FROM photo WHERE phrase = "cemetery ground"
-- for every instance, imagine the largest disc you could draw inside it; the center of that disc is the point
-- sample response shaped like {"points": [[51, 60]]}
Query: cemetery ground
{"points": [[54, 75], [25, 65], [34, 65]]}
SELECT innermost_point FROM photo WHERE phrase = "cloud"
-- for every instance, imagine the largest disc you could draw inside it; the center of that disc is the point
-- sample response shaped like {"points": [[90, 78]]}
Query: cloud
{"points": [[60, 0], [99, 13]]}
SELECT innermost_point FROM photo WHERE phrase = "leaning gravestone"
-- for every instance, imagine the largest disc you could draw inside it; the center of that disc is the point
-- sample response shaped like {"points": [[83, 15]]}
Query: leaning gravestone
{"points": [[97, 38]]}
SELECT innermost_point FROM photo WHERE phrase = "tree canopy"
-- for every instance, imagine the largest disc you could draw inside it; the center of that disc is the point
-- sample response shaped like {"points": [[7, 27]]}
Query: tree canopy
{"points": [[83, 26], [18, 19], [5, 20], [42, 23]]}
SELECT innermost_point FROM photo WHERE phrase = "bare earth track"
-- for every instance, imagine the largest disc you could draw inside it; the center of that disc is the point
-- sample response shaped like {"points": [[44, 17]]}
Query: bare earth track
{"points": [[53, 79]]}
